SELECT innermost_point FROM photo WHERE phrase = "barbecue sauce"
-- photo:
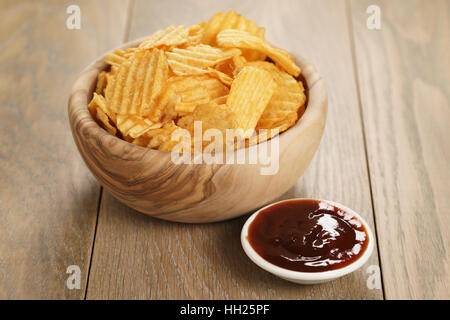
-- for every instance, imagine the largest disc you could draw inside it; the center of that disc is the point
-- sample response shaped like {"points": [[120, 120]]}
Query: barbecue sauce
{"points": [[307, 236]]}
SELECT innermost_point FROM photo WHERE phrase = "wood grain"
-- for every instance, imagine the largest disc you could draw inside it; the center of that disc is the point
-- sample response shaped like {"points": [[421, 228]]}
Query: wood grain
{"points": [[404, 72], [150, 182], [140, 257], [48, 200]]}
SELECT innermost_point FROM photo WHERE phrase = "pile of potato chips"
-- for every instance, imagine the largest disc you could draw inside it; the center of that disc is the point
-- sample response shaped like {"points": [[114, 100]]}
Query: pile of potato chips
{"points": [[221, 72]]}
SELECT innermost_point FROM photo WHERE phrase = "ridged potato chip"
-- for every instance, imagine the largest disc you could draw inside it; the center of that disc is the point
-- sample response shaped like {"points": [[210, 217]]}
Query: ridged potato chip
{"points": [[98, 101], [181, 91], [249, 95], [161, 138], [106, 121], [196, 33], [195, 60], [231, 67], [214, 86], [241, 39], [286, 100], [172, 36], [212, 116], [224, 78], [101, 83], [185, 93], [220, 100], [135, 126], [232, 20], [138, 84], [97, 107], [115, 59]]}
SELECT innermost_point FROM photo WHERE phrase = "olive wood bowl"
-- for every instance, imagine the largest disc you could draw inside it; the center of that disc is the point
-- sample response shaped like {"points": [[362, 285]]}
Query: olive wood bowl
{"points": [[149, 181]]}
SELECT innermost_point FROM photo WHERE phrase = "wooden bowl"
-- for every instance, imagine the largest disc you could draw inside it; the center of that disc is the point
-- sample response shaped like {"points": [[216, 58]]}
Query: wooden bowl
{"points": [[148, 181]]}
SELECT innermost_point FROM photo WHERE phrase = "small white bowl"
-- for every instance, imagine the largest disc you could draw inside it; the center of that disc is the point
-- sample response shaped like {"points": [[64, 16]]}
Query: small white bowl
{"points": [[306, 277]]}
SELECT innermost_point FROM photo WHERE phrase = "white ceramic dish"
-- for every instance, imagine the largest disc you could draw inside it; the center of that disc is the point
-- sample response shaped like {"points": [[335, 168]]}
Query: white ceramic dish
{"points": [[306, 277]]}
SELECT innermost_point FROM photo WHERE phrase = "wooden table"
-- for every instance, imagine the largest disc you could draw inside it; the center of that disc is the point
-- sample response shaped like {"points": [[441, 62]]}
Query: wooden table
{"points": [[385, 153]]}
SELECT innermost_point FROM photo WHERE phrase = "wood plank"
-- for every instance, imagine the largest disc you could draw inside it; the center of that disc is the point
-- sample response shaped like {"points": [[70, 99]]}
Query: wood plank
{"points": [[140, 257], [404, 76], [48, 200]]}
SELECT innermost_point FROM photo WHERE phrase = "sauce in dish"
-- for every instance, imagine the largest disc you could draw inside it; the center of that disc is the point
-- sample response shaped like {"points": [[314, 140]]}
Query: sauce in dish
{"points": [[307, 236]]}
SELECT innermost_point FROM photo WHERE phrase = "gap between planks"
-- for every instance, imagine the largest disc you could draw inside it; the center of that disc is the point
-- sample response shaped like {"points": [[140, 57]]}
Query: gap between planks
{"points": [[126, 35], [358, 94]]}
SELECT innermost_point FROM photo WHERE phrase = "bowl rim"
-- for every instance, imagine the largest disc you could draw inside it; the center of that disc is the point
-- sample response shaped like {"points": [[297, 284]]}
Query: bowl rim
{"points": [[307, 276], [317, 96]]}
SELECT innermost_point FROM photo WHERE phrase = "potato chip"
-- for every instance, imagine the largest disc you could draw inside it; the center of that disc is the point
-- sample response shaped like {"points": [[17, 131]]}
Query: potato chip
{"points": [[182, 94], [196, 59], [279, 120], [106, 121], [211, 115], [99, 102], [161, 138], [101, 83], [115, 59], [214, 86], [249, 95], [97, 108], [220, 100], [138, 84], [286, 100], [185, 107], [231, 67], [241, 39], [224, 78], [135, 126], [230, 20], [181, 91], [195, 33], [172, 36]]}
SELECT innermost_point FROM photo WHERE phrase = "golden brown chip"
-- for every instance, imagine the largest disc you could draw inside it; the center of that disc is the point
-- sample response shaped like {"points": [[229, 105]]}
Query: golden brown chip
{"points": [[230, 20], [241, 39], [179, 91], [185, 107], [115, 59], [99, 102], [142, 141], [211, 115], [195, 33], [135, 126], [231, 67], [285, 102], [161, 138], [98, 109], [184, 93], [195, 60], [172, 36], [138, 84], [220, 75], [249, 95], [106, 121], [220, 100], [101, 83], [214, 86]]}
